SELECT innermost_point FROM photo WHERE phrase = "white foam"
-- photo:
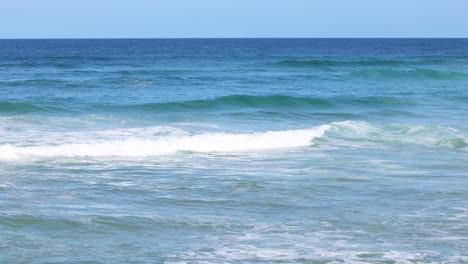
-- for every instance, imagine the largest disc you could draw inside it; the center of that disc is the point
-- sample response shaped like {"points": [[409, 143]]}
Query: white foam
{"points": [[137, 146], [363, 134], [40, 142]]}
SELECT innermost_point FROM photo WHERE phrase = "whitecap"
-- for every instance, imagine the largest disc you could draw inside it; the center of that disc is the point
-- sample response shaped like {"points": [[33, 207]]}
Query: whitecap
{"points": [[140, 146]]}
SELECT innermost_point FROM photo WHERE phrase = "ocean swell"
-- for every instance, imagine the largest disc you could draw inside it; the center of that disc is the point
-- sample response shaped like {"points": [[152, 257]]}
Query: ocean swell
{"points": [[338, 63], [265, 102], [322, 63], [17, 107], [231, 102]]}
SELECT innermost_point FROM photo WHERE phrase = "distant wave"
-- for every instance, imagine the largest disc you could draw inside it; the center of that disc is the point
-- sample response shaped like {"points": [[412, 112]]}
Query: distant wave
{"points": [[60, 62], [334, 63], [385, 71], [411, 74], [317, 63], [270, 102], [276, 101], [459, 98], [16, 107], [157, 141], [33, 82]]}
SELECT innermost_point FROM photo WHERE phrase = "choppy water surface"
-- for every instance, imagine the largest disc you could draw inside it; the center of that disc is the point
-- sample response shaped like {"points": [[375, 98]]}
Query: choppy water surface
{"points": [[234, 151]]}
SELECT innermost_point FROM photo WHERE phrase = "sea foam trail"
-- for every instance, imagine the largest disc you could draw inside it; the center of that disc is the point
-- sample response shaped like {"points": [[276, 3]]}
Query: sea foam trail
{"points": [[170, 144]]}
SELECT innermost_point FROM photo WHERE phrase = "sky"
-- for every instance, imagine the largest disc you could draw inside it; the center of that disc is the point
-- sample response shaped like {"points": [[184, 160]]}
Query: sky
{"points": [[232, 18]]}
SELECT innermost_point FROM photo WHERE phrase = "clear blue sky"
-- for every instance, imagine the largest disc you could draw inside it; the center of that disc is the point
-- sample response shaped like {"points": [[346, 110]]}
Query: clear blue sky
{"points": [[232, 18]]}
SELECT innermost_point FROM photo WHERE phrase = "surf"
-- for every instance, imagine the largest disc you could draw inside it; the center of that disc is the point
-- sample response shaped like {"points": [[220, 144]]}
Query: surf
{"points": [[217, 142], [160, 141]]}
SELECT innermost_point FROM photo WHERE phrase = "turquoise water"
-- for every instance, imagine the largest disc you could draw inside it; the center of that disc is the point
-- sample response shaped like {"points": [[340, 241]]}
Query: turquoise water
{"points": [[234, 151]]}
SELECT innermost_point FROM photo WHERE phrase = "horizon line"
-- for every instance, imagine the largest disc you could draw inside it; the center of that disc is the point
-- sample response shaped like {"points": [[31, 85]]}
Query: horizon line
{"points": [[182, 38]]}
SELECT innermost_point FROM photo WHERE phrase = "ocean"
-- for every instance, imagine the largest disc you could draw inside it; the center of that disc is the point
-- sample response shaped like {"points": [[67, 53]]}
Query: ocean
{"points": [[234, 151]]}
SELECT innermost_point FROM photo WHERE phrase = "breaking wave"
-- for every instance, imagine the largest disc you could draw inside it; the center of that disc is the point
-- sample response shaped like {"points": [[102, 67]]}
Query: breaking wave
{"points": [[159, 141], [170, 144]]}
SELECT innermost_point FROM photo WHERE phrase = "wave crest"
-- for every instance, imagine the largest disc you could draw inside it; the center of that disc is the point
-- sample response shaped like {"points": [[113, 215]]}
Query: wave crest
{"points": [[170, 144], [266, 102], [157, 141], [272, 102]]}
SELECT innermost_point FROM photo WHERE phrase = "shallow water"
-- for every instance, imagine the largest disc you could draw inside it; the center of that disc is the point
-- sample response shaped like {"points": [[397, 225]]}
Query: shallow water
{"points": [[234, 151]]}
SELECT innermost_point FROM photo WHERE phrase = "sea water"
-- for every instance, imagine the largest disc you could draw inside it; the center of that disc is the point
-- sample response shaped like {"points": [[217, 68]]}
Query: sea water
{"points": [[234, 151]]}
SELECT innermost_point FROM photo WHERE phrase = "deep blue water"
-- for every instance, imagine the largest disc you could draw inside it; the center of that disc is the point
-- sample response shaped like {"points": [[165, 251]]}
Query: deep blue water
{"points": [[234, 151]]}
